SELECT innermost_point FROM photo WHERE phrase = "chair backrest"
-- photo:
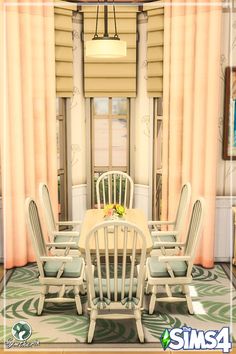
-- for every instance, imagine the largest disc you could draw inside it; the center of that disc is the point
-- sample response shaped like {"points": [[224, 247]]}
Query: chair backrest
{"points": [[115, 187], [35, 231], [47, 207], [110, 269], [194, 229], [184, 201]]}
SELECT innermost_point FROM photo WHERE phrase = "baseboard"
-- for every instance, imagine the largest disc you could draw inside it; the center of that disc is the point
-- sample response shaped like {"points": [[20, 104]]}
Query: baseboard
{"points": [[141, 198], [79, 201], [224, 236]]}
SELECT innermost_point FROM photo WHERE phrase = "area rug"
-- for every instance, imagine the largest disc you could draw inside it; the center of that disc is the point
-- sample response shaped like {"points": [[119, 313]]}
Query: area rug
{"points": [[214, 300]]}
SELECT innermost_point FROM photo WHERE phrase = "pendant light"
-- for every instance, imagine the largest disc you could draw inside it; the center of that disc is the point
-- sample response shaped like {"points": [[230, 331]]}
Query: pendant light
{"points": [[105, 46]]}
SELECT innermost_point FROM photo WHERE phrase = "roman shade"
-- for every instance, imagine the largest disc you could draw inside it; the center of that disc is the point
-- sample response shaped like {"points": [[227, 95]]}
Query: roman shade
{"points": [[64, 48], [111, 77], [155, 41]]}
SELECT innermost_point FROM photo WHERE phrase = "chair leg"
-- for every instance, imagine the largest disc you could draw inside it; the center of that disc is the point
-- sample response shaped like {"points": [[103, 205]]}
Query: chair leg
{"points": [[148, 288], [139, 326], [77, 300], [188, 299], [44, 290], [82, 289], [62, 291], [92, 325], [152, 300]]}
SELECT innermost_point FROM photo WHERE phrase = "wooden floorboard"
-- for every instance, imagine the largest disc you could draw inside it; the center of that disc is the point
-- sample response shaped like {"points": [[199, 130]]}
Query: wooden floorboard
{"points": [[234, 270], [1, 271]]}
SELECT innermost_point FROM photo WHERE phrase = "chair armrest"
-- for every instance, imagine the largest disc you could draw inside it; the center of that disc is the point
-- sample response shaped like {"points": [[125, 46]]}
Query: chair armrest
{"points": [[66, 233], [56, 258], [69, 223], [62, 244], [164, 233], [152, 222], [165, 244], [173, 258]]}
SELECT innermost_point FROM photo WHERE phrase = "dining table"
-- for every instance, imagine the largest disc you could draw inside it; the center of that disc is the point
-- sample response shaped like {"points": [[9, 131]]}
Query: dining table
{"points": [[134, 216]]}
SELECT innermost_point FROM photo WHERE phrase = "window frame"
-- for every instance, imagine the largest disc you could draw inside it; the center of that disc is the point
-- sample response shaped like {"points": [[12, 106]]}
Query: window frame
{"points": [[109, 167], [157, 158], [63, 146]]}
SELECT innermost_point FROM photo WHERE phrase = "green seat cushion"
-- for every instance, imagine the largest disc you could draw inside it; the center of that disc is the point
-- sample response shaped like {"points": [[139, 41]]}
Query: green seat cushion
{"points": [[169, 238], [158, 269], [67, 239], [112, 287], [71, 270]]}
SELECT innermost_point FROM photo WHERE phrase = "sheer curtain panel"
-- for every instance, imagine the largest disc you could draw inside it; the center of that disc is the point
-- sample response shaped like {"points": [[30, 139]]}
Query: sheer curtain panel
{"points": [[29, 123], [191, 109]]}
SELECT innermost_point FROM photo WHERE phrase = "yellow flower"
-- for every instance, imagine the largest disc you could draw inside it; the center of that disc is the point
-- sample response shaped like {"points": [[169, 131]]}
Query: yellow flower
{"points": [[120, 209]]}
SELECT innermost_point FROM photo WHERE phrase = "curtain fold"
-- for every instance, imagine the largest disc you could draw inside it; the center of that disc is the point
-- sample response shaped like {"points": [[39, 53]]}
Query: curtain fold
{"points": [[191, 110], [1, 87], [29, 125]]}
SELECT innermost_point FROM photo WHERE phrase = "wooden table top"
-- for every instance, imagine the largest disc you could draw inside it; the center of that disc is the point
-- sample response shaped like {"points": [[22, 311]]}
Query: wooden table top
{"points": [[96, 216]]}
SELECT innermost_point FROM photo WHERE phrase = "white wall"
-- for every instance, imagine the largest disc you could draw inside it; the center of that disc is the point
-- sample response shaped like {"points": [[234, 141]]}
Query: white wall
{"points": [[226, 170], [141, 198], [142, 110], [224, 229], [78, 131], [226, 178], [79, 197], [143, 127], [78, 126]]}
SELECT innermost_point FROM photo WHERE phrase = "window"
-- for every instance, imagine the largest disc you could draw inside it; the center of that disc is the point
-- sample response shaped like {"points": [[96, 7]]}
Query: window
{"points": [[62, 158], [110, 137], [157, 159]]}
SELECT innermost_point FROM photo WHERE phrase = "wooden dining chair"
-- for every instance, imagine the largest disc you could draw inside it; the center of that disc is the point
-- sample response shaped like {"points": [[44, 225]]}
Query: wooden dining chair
{"points": [[175, 227], [115, 187], [58, 271], [55, 234], [115, 287], [176, 269]]}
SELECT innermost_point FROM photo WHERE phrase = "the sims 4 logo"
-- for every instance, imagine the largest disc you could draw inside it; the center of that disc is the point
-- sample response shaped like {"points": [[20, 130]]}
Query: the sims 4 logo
{"points": [[187, 338]]}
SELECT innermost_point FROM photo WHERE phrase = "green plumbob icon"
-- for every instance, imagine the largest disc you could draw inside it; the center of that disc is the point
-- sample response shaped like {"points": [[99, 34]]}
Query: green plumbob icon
{"points": [[165, 339], [21, 330]]}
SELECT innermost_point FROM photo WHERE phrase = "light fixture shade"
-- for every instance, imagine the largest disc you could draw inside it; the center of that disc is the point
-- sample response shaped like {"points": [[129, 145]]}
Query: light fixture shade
{"points": [[105, 48]]}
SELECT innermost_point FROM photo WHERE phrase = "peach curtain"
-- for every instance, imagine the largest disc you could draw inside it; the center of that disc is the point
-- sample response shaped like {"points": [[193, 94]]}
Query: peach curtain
{"points": [[1, 89], [29, 126], [191, 110]]}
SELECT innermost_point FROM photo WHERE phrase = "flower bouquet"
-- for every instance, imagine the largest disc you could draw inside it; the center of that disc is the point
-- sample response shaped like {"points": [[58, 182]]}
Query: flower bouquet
{"points": [[114, 211]]}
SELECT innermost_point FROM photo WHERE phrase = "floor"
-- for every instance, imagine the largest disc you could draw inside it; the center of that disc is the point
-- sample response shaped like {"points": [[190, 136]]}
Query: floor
{"points": [[79, 352], [1, 271], [167, 352], [233, 269]]}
